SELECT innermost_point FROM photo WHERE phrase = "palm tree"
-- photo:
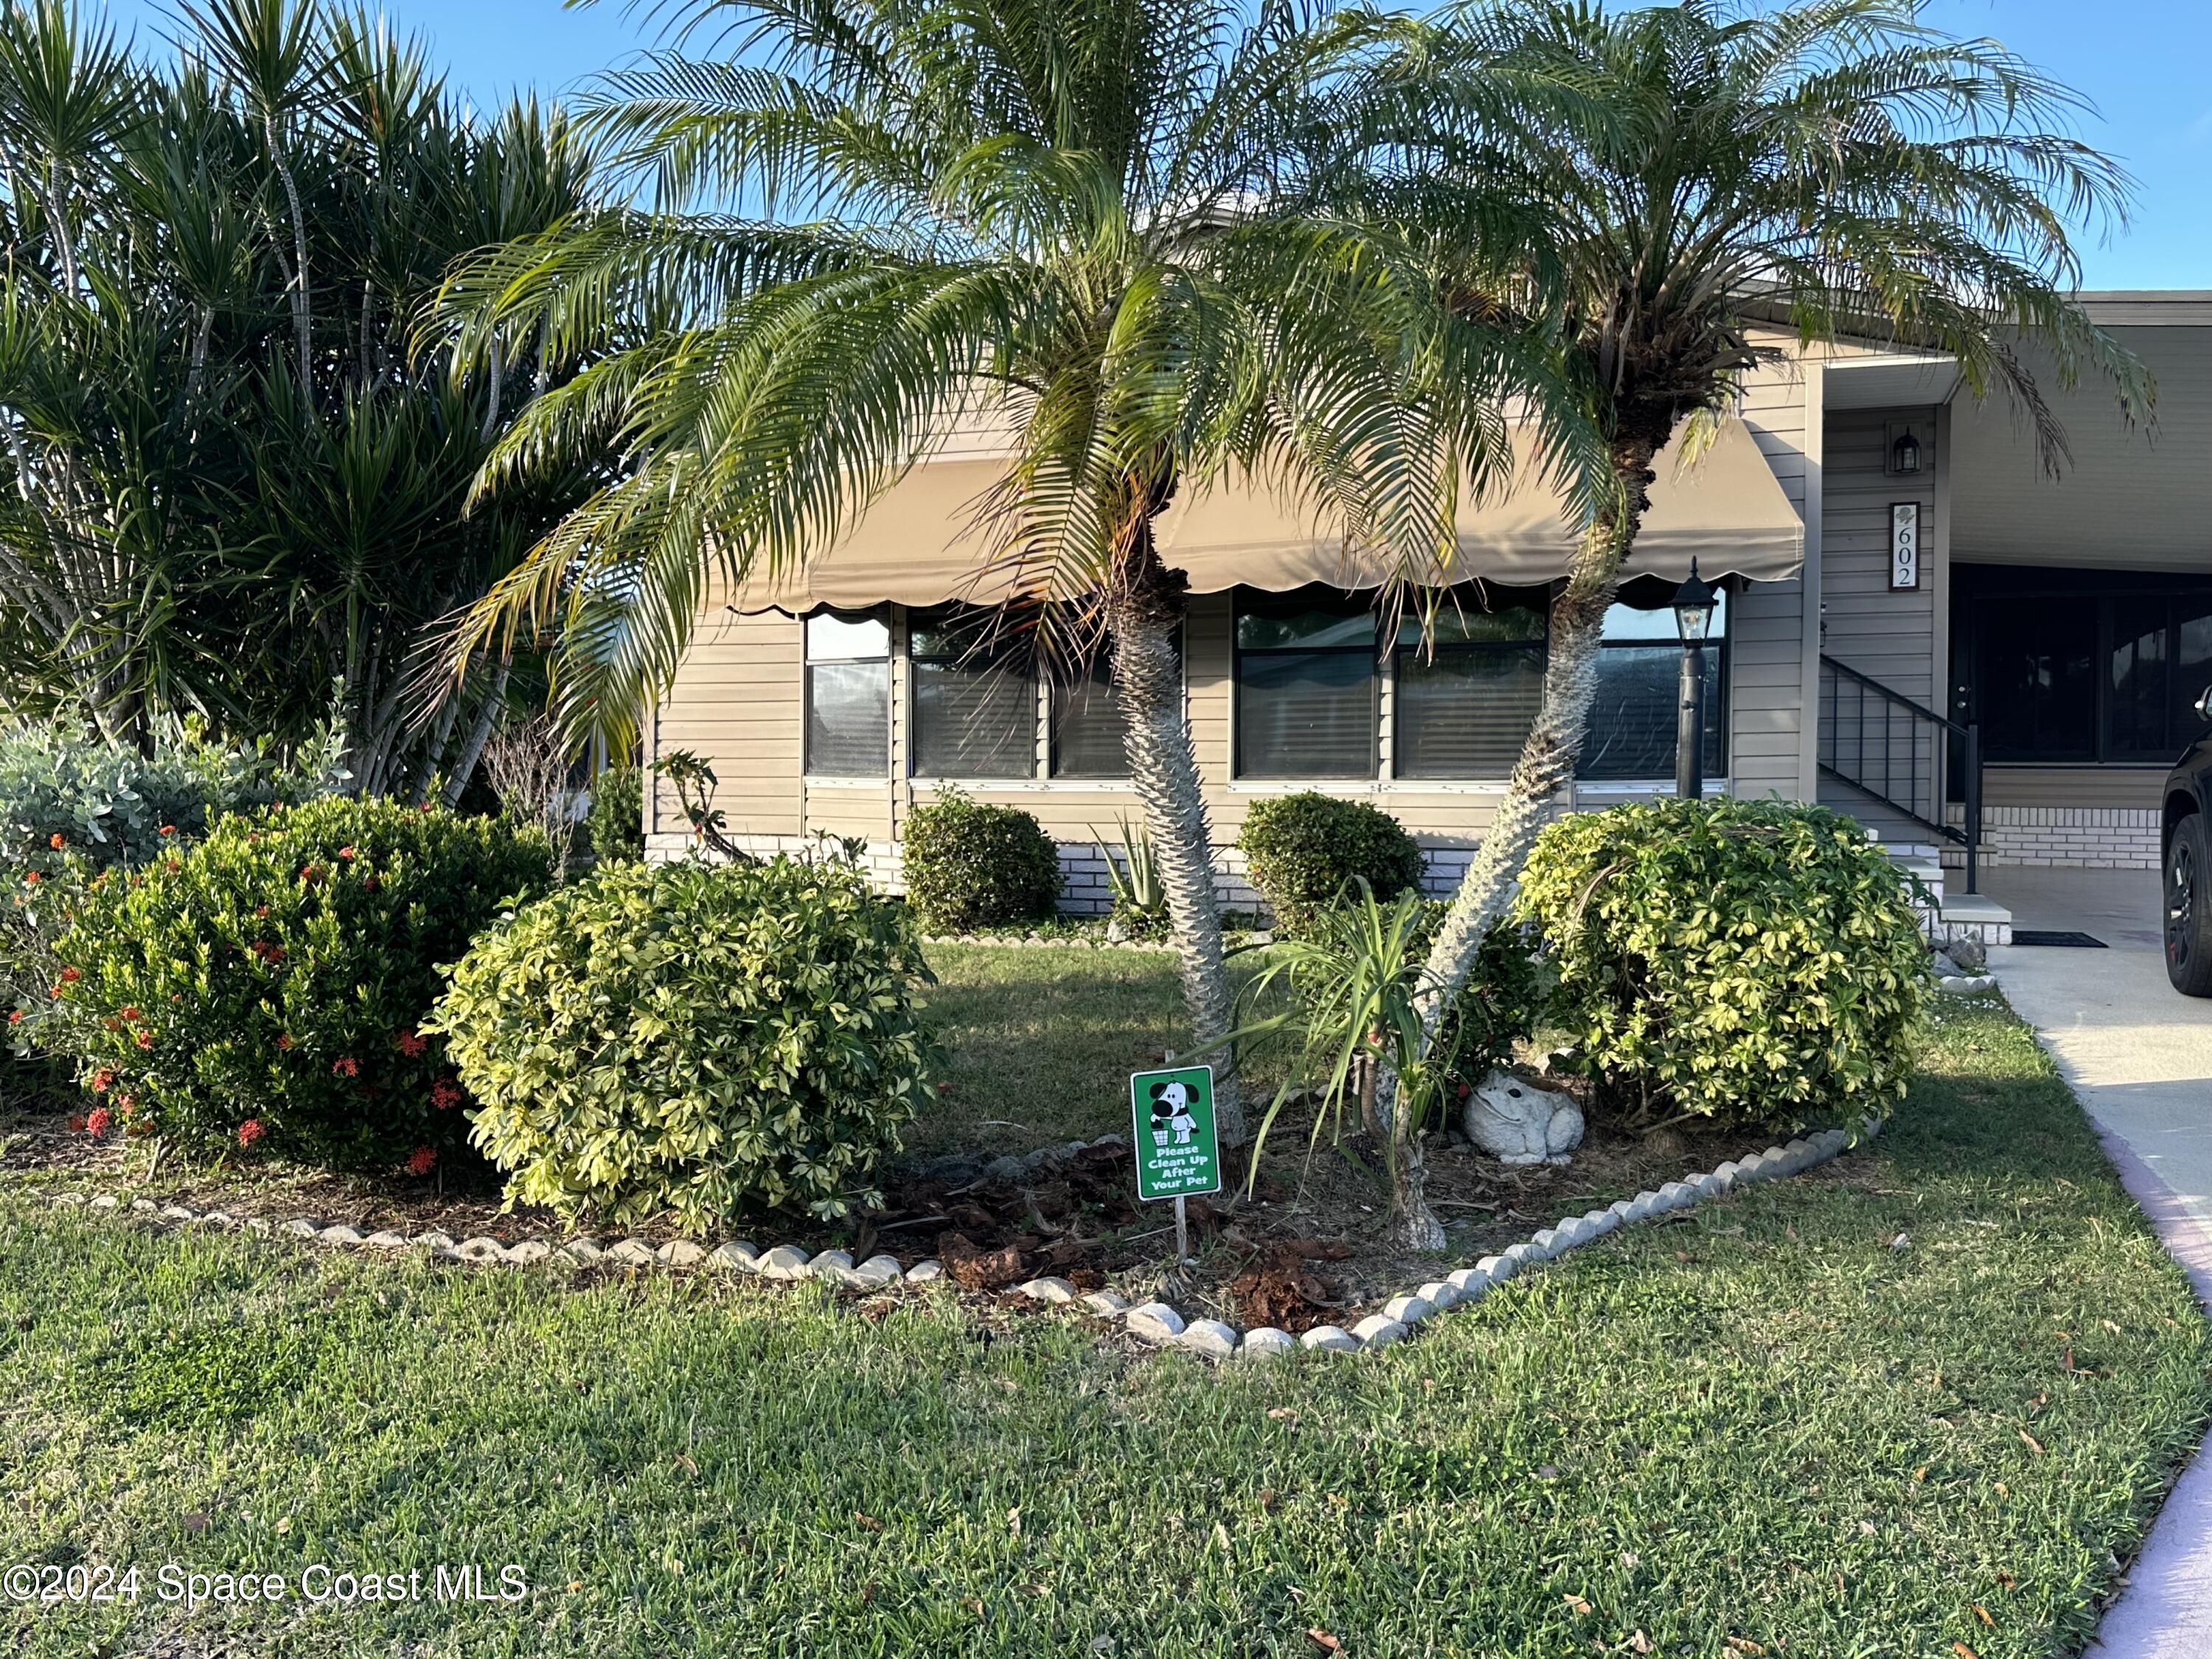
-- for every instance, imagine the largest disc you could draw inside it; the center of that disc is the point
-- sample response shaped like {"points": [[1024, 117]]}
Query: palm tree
{"points": [[1103, 223], [1836, 168]]}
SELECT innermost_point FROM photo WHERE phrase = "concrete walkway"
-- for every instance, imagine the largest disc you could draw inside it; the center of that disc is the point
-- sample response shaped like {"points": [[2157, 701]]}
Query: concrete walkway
{"points": [[2139, 1055]]}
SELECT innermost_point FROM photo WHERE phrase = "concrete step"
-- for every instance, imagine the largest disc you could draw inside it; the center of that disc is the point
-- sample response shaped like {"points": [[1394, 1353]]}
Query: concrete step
{"points": [[1975, 916]]}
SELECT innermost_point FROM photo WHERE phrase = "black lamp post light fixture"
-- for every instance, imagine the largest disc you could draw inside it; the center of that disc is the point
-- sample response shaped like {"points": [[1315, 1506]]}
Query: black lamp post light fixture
{"points": [[1693, 616], [1904, 453]]}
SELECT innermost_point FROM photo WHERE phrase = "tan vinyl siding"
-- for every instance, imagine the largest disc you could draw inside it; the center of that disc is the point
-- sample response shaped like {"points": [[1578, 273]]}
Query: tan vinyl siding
{"points": [[737, 704], [2138, 499], [1766, 728]]}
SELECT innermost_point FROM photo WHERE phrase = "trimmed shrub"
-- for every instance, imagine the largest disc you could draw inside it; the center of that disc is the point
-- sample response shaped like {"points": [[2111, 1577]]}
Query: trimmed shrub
{"points": [[1504, 998], [969, 864], [1305, 851], [1751, 961], [616, 824], [267, 988], [693, 1039]]}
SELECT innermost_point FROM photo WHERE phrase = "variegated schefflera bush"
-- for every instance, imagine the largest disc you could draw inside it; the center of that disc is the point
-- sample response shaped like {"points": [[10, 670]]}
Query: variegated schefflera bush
{"points": [[695, 1041], [1756, 962], [264, 991]]}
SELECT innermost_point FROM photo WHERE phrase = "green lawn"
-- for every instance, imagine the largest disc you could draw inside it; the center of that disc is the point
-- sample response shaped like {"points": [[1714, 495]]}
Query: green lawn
{"points": [[1774, 1420], [1039, 1042]]}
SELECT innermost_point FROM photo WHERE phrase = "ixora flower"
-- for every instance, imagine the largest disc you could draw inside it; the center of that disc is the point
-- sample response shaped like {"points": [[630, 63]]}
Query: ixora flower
{"points": [[96, 1120], [145, 1039], [410, 1042], [57, 840], [130, 1011], [421, 1161], [15, 1016], [168, 828], [251, 1131], [31, 879], [345, 852], [345, 1066], [70, 975], [103, 1079], [445, 1094]]}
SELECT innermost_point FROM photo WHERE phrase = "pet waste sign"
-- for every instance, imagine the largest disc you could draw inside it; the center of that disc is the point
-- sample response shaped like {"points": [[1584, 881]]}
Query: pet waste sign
{"points": [[1178, 1154]]}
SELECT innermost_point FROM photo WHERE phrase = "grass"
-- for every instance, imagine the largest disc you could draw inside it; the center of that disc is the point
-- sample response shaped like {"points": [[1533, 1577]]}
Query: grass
{"points": [[1925, 1397], [1039, 1043]]}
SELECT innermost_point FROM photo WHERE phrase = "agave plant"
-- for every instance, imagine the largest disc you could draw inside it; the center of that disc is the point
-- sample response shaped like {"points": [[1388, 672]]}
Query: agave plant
{"points": [[1134, 882]]}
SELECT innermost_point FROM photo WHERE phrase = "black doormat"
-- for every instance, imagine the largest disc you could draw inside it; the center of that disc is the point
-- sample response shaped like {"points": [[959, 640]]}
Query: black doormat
{"points": [[2065, 941]]}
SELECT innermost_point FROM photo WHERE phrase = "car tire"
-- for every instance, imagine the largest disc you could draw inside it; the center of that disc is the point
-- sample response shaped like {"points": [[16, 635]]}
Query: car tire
{"points": [[2188, 885]]}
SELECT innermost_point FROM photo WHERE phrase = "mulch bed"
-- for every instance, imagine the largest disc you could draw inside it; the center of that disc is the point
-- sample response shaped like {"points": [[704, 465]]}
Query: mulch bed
{"points": [[1305, 1244]]}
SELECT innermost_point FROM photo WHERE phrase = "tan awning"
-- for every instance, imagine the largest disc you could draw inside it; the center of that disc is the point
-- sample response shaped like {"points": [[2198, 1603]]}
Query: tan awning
{"points": [[915, 548]]}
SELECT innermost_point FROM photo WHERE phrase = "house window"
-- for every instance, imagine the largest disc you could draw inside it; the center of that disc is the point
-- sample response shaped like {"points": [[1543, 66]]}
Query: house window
{"points": [[1635, 718], [1089, 736], [975, 700], [1088, 732], [848, 696], [2079, 666], [1468, 693], [1306, 687]]}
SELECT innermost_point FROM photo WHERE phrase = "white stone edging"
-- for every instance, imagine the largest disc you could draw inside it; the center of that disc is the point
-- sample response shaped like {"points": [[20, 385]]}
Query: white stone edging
{"points": [[1155, 1323]]}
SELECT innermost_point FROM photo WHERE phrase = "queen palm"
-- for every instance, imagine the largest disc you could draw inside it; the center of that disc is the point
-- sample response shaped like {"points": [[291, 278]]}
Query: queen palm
{"points": [[1836, 168], [1102, 224]]}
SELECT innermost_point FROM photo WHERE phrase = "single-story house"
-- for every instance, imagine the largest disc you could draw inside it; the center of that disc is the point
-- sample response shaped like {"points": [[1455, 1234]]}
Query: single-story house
{"points": [[1903, 585]]}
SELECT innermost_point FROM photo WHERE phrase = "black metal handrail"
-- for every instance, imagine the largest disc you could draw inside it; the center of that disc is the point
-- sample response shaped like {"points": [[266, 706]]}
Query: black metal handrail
{"points": [[1899, 752]]}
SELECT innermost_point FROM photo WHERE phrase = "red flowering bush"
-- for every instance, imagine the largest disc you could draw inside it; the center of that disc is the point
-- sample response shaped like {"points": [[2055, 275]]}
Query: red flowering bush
{"points": [[269, 993]]}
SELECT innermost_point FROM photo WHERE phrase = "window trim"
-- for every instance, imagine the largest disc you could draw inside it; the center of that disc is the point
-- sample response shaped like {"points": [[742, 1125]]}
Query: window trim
{"points": [[1238, 602], [808, 662]]}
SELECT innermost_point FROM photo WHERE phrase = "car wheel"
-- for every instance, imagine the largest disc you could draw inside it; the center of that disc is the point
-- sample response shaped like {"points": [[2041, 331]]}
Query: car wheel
{"points": [[2188, 909]]}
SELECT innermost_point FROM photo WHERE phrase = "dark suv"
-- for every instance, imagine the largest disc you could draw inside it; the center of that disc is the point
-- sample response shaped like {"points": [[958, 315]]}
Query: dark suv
{"points": [[2188, 864]]}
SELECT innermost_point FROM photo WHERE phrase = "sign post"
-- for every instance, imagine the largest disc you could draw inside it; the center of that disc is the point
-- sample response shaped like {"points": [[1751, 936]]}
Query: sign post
{"points": [[1178, 1149]]}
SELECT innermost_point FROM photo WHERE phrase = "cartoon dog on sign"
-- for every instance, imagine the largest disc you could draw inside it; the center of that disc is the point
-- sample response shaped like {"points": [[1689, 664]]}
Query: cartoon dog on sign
{"points": [[1171, 1113]]}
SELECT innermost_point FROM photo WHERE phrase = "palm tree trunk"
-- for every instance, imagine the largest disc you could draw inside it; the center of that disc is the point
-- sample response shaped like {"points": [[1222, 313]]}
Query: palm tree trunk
{"points": [[1546, 765], [1141, 614], [1554, 743]]}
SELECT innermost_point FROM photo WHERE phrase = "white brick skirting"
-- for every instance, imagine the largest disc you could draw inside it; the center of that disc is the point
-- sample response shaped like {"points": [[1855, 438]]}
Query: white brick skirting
{"points": [[2070, 837], [1083, 890]]}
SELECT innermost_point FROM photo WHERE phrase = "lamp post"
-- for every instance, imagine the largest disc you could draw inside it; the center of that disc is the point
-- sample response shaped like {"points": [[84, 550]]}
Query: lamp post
{"points": [[1693, 614]]}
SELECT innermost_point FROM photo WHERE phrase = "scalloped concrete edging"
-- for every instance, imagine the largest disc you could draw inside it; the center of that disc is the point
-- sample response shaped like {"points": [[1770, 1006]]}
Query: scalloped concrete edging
{"points": [[1154, 1322]]}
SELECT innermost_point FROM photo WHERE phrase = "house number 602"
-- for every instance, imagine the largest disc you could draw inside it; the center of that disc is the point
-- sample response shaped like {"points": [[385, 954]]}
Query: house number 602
{"points": [[1903, 544]]}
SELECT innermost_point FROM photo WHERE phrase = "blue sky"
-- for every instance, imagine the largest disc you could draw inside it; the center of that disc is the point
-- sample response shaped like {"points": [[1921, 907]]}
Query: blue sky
{"points": [[2141, 61]]}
